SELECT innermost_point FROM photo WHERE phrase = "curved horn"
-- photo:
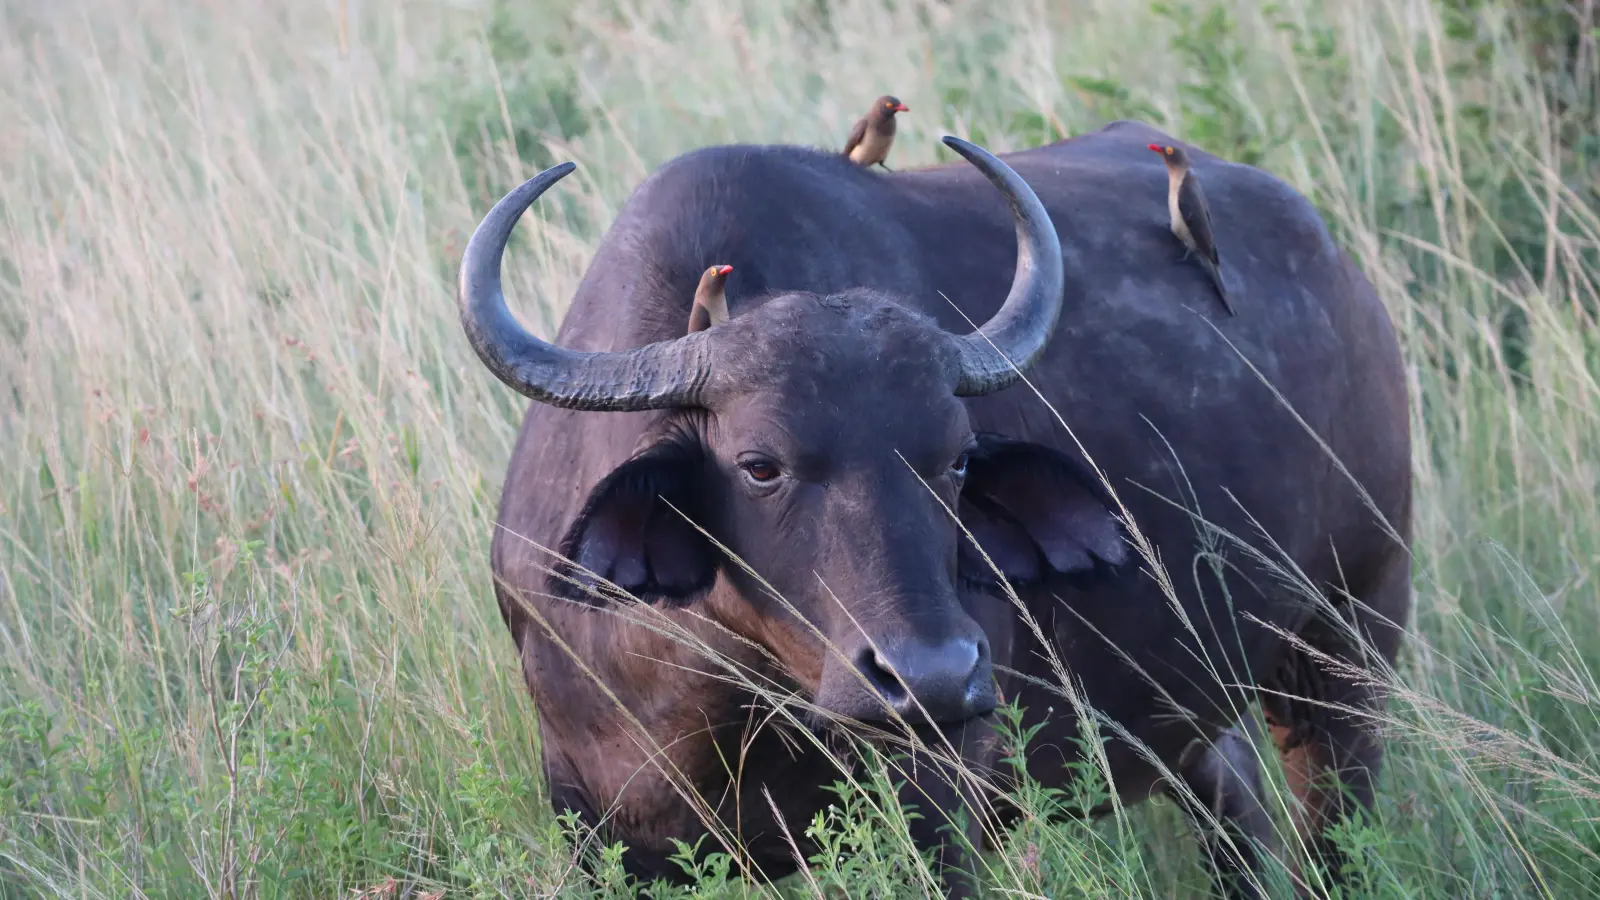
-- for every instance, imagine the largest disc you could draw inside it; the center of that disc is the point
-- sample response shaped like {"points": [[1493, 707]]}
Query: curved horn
{"points": [[665, 374], [996, 355]]}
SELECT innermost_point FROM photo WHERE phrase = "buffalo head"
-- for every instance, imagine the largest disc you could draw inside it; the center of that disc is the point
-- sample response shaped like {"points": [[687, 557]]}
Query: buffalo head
{"points": [[821, 440]]}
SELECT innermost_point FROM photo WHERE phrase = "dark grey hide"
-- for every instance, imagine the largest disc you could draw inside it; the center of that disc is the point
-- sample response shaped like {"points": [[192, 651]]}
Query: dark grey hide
{"points": [[837, 376]]}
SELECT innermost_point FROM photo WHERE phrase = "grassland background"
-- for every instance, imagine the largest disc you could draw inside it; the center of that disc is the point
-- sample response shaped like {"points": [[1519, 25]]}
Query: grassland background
{"points": [[248, 462]]}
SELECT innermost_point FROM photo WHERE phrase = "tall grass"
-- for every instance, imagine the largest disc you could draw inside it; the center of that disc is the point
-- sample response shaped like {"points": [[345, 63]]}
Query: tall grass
{"points": [[248, 462]]}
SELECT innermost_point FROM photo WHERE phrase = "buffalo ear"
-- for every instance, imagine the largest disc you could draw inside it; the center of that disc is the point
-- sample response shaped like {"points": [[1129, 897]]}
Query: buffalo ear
{"points": [[633, 534], [1037, 513]]}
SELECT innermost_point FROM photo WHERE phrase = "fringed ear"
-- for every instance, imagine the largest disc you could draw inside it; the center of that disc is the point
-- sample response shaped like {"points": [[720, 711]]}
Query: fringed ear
{"points": [[1036, 512], [633, 534]]}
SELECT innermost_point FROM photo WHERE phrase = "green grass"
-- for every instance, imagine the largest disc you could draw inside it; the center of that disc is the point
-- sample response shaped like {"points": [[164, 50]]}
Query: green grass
{"points": [[248, 463]]}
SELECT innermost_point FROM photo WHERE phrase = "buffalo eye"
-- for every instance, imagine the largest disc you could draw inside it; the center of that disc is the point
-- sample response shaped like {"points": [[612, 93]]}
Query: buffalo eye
{"points": [[760, 471], [959, 467]]}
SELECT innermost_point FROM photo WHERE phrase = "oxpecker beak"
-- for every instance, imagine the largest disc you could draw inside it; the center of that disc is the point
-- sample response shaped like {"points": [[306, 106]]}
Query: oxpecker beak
{"points": [[902, 108], [723, 270]]}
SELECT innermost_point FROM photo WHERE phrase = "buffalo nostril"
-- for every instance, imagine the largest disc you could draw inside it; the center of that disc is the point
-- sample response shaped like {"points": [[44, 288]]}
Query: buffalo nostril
{"points": [[881, 676], [948, 680]]}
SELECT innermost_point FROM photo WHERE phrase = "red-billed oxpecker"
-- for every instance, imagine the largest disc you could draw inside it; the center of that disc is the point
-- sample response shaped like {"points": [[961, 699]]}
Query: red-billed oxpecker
{"points": [[1191, 219], [710, 299], [873, 133]]}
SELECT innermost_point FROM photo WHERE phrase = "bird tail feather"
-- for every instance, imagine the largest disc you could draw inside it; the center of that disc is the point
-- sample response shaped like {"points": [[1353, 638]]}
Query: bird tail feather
{"points": [[1215, 272]]}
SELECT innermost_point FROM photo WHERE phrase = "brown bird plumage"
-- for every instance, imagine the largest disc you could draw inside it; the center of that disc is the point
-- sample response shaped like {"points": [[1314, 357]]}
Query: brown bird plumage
{"points": [[710, 299], [1191, 218], [873, 133]]}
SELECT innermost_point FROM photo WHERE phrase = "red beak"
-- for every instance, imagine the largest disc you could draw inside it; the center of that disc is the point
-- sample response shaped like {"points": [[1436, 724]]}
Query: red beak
{"points": [[1153, 147], [902, 108], [724, 270]]}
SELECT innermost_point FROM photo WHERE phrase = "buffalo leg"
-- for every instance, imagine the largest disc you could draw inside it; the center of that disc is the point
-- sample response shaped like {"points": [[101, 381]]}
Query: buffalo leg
{"points": [[1225, 807], [1332, 748]]}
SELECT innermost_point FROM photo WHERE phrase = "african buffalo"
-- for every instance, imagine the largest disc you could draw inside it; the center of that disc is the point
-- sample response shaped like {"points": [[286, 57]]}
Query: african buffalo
{"points": [[824, 433]]}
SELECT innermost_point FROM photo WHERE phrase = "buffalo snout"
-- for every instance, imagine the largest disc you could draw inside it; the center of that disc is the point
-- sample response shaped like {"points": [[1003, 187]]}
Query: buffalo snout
{"points": [[943, 681]]}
